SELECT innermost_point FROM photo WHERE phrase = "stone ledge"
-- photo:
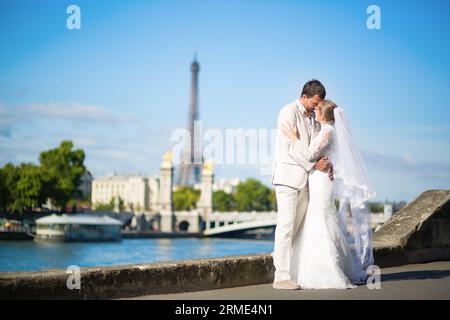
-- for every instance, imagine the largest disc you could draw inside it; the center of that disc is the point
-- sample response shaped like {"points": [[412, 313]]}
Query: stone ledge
{"points": [[419, 232], [135, 280]]}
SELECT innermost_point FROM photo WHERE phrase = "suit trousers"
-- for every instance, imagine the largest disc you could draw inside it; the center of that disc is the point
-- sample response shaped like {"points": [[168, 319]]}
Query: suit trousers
{"points": [[292, 204]]}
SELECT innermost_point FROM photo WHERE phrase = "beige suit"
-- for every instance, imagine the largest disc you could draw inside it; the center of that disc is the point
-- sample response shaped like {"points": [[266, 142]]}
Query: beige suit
{"points": [[290, 177]]}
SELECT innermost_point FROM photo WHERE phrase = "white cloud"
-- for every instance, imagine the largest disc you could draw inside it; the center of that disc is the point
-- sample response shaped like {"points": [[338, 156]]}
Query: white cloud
{"points": [[137, 150], [408, 158], [6, 120], [78, 112], [85, 142], [113, 153], [422, 129], [407, 165]]}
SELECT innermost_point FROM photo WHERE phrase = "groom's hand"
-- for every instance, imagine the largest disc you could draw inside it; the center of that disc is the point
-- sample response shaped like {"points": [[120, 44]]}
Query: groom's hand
{"points": [[323, 164]]}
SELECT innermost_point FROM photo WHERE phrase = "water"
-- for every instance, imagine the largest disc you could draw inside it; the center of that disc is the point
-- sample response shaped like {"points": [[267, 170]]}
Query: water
{"points": [[34, 256]]}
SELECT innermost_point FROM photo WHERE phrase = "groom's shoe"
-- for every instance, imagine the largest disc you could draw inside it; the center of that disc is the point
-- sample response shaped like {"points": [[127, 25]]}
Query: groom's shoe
{"points": [[286, 284]]}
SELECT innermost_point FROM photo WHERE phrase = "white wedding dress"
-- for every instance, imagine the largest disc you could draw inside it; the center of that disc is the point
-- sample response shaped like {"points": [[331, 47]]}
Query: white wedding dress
{"points": [[322, 254]]}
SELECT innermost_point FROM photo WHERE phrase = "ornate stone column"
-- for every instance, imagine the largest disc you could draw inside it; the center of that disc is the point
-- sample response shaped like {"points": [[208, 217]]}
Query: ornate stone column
{"points": [[165, 205], [205, 203]]}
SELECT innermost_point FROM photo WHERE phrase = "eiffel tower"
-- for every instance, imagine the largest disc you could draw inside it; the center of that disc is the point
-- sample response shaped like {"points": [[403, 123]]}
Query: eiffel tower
{"points": [[192, 156]]}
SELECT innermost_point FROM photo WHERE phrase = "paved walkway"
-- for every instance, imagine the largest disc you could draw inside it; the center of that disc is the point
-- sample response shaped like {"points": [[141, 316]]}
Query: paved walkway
{"points": [[416, 281]]}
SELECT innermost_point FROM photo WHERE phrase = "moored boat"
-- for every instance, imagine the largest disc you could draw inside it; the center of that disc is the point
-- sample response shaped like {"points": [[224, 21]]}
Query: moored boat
{"points": [[78, 227]]}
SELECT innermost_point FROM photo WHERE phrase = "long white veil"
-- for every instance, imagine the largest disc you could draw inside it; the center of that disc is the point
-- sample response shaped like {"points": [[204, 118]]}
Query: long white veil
{"points": [[352, 190]]}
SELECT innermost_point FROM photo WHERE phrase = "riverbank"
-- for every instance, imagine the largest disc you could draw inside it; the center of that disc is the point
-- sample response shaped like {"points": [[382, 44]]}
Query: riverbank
{"points": [[15, 236], [418, 233]]}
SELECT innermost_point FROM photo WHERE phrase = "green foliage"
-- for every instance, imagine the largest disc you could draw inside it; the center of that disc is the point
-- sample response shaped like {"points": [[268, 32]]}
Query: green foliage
{"points": [[57, 177], [376, 206], [62, 169], [121, 204], [21, 187], [3, 191], [185, 198], [9, 175], [252, 195], [104, 206], [379, 206], [28, 189], [73, 202], [109, 206], [273, 200], [223, 201]]}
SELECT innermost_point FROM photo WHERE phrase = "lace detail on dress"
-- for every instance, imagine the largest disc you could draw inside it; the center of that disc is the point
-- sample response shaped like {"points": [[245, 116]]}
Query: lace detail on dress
{"points": [[320, 146]]}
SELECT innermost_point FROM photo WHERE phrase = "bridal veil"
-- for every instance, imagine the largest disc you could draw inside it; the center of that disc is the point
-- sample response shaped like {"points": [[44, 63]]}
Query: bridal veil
{"points": [[352, 190]]}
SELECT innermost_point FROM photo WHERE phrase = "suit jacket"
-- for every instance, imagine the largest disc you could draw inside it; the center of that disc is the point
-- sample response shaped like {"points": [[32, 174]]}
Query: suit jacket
{"points": [[290, 168]]}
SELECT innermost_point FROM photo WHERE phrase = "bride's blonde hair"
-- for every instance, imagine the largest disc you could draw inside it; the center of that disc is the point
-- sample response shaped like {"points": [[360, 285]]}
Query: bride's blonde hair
{"points": [[327, 109]]}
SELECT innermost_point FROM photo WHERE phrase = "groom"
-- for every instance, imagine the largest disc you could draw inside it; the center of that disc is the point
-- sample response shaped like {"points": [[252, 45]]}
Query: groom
{"points": [[290, 177]]}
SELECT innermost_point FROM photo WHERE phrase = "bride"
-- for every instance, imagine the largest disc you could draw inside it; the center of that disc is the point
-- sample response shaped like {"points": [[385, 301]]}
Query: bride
{"points": [[334, 248]]}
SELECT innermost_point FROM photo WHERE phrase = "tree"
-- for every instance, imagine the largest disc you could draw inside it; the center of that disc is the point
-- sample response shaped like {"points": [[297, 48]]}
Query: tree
{"points": [[185, 198], [9, 177], [3, 191], [104, 206], [376, 206], [28, 190], [273, 200], [223, 201], [61, 170], [252, 195], [20, 188], [121, 204]]}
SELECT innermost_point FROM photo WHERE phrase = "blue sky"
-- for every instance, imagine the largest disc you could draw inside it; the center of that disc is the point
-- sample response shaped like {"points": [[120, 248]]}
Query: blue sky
{"points": [[119, 86]]}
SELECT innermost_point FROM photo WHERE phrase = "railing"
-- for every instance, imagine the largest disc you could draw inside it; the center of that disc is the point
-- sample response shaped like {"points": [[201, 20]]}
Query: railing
{"points": [[17, 229], [221, 219]]}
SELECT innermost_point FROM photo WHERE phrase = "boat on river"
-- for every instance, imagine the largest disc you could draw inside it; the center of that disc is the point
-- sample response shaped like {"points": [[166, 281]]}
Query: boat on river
{"points": [[78, 228]]}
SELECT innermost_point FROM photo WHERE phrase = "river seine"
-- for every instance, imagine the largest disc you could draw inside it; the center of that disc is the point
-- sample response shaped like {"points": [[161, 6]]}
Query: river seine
{"points": [[34, 256]]}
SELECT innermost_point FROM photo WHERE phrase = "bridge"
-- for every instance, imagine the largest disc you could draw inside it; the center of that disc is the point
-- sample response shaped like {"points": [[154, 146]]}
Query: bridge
{"points": [[228, 223], [233, 223]]}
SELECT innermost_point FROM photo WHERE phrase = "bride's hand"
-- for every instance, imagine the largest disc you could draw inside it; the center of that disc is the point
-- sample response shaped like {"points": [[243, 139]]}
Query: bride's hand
{"points": [[290, 132]]}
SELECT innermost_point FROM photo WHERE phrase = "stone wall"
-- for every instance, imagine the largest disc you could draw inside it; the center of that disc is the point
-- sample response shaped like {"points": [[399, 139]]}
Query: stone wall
{"points": [[135, 280], [419, 232]]}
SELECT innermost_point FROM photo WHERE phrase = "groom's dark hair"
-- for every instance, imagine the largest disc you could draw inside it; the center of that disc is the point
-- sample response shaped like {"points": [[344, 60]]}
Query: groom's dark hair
{"points": [[313, 87]]}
